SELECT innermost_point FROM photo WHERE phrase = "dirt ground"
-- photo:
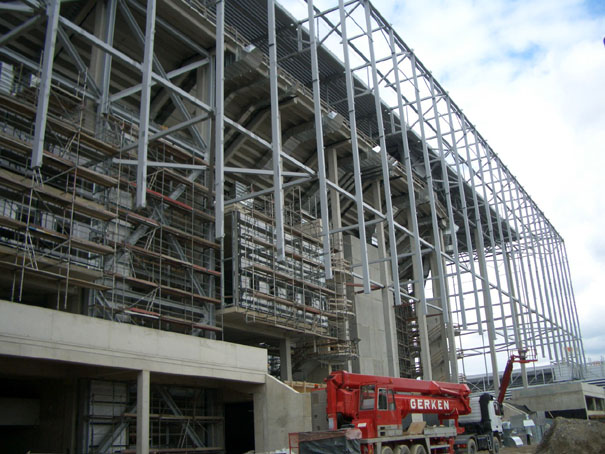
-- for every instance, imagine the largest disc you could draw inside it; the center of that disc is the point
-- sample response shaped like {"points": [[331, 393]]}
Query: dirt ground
{"points": [[568, 436], [519, 450]]}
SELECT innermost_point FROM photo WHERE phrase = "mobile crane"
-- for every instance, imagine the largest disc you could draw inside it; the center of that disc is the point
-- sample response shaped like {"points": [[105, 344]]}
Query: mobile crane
{"points": [[381, 408]]}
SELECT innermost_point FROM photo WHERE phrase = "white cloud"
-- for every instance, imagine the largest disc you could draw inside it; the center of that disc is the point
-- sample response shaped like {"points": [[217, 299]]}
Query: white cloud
{"points": [[531, 76]]}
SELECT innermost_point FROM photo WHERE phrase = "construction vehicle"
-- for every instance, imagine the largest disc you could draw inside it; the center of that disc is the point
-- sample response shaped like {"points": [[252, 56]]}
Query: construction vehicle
{"points": [[381, 409], [483, 425]]}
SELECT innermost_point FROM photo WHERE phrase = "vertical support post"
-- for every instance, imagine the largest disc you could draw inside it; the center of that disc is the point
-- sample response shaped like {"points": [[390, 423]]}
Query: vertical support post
{"points": [[412, 221], [339, 244], [285, 359], [467, 227], [383, 160], [559, 291], [321, 160], [143, 386], [430, 189], [355, 150], [219, 123], [487, 303], [52, 25], [141, 199], [574, 308], [488, 223], [449, 327], [421, 307], [278, 191], [390, 330], [528, 328], [448, 197]]}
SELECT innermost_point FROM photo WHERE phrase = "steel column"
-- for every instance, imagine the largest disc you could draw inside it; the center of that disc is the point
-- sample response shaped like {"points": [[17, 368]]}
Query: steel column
{"points": [[278, 191], [383, 160], [219, 122], [321, 160], [355, 150]]}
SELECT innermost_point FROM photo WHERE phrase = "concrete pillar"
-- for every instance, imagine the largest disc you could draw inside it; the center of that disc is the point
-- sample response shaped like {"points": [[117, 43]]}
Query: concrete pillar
{"points": [[390, 330], [285, 359], [436, 327], [143, 382], [447, 328], [338, 245], [425, 349]]}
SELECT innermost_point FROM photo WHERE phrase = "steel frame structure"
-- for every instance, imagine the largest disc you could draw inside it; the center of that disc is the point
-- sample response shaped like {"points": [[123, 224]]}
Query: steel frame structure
{"points": [[463, 238]]}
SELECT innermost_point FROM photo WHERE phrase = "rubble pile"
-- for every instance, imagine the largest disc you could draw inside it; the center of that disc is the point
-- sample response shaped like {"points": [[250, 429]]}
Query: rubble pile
{"points": [[572, 436]]}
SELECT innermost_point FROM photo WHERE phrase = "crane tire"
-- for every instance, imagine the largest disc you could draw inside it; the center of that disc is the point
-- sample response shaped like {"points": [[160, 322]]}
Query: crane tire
{"points": [[496, 448], [471, 447], [417, 449], [401, 449]]}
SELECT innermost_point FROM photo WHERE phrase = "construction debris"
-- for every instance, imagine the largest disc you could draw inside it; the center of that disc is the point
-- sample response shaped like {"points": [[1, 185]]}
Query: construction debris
{"points": [[571, 436]]}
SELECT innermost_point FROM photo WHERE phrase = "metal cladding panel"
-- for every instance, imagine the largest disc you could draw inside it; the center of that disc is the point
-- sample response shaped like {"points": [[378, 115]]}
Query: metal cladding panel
{"points": [[474, 415]]}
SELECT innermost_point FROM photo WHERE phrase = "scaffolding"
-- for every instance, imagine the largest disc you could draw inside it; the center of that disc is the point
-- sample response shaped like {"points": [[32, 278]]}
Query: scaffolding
{"points": [[292, 294], [72, 223]]}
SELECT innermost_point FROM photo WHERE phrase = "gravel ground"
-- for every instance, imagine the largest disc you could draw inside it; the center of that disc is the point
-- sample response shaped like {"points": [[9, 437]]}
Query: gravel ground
{"points": [[519, 450]]}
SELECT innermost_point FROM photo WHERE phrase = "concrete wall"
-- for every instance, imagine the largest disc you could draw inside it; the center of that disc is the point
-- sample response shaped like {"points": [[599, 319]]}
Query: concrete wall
{"points": [[278, 411], [369, 327], [557, 396], [33, 332]]}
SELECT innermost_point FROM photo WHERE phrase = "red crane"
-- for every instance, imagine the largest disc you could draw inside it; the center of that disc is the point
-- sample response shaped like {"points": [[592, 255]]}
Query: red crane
{"points": [[377, 405], [522, 358]]}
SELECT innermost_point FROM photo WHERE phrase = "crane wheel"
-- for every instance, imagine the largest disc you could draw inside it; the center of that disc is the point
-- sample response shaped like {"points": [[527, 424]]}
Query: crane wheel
{"points": [[401, 449], [417, 449], [386, 450]]}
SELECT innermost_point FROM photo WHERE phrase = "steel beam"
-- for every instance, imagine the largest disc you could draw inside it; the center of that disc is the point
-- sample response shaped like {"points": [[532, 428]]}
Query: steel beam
{"points": [[52, 26], [20, 29], [141, 197]]}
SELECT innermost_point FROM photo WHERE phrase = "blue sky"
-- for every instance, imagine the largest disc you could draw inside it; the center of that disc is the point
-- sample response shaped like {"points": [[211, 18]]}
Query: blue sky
{"points": [[530, 74]]}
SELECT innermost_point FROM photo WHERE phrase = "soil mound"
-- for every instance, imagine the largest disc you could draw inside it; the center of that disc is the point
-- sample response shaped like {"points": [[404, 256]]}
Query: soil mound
{"points": [[572, 436]]}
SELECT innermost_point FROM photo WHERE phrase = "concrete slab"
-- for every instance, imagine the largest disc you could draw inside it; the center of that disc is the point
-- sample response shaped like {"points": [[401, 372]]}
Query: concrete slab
{"points": [[33, 332]]}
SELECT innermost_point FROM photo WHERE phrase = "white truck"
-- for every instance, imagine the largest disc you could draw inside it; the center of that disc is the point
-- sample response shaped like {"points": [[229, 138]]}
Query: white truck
{"points": [[482, 427]]}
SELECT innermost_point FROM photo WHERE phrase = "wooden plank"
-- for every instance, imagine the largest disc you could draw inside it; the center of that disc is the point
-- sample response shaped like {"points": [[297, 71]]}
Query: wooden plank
{"points": [[416, 428]]}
